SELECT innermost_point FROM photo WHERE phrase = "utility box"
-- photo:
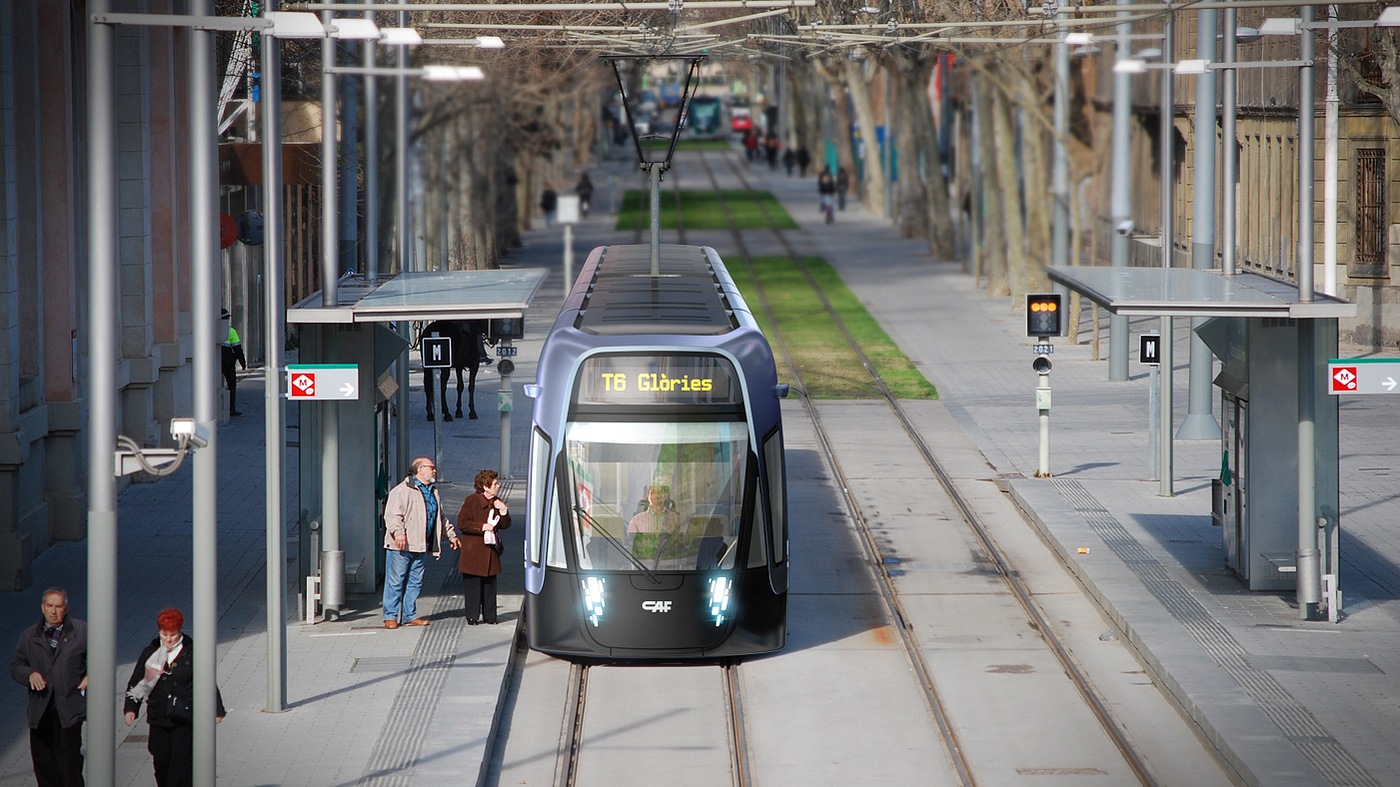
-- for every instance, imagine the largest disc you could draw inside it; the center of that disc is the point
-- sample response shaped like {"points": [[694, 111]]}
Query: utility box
{"points": [[1256, 503]]}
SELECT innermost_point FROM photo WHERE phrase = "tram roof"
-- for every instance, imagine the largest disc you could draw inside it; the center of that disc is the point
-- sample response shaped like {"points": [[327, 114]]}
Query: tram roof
{"points": [[426, 295], [1188, 292], [686, 299]]}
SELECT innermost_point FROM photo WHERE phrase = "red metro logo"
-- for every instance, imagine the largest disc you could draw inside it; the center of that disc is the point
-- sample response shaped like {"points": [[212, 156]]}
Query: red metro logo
{"points": [[1344, 379]]}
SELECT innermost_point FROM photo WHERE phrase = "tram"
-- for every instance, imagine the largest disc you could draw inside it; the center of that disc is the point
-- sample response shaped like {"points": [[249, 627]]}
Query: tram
{"points": [[657, 503], [705, 118]]}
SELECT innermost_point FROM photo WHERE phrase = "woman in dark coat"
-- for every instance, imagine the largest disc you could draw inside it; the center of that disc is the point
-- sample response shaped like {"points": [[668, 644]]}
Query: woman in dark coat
{"points": [[481, 518], [164, 680]]}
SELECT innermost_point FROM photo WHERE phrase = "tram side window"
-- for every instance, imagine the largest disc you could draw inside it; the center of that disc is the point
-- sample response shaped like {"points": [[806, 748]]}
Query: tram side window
{"points": [[777, 491], [554, 555], [540, 455]]}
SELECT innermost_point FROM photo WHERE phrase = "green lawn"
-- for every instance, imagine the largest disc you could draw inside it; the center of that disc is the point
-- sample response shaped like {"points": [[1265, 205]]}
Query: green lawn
{"points": [[829, 367], [703, 211]]}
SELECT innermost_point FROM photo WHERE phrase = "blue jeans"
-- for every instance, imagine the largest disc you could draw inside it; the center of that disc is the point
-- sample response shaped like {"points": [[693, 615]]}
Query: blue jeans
{"points": [[403, 580]]}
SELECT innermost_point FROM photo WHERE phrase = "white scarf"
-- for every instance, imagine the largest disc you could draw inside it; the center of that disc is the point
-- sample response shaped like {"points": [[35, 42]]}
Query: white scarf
{"points": [[155, 667]]}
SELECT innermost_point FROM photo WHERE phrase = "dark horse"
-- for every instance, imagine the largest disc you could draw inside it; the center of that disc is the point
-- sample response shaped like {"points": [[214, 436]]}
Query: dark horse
{"points": [[466, 354]]}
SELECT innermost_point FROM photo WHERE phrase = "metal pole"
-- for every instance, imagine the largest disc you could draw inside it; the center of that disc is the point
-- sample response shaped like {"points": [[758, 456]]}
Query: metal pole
{"points": [[103, 321], [1154, 392], [275, 421], [1168, 192], [568, 258], [371, 161], [1308, 560], [329, 231], [1307, 50], [1164, 415], [332, 558], [204, 313], [654, 178], [401, 243], [1120, 204], [506, 403], [1199, 423], [1229, 163], [1329, 167], [888, 162], [1059, 244], [349, 153]]}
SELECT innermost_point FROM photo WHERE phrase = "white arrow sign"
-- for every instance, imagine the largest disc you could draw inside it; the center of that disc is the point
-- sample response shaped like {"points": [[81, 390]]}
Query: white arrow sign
{"points": [[348, 391], [1389, 383]]}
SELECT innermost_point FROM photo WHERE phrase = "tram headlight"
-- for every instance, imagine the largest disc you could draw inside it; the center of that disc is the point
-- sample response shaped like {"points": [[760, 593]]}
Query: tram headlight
{"points": [[719, 598], [592, 598]]}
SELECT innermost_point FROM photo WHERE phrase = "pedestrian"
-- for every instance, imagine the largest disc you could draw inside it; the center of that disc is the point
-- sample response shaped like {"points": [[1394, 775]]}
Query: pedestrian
{"points": [[826, 187], [804, 160], [788, 160], [163, 679], [770, 149], [750, 145], [843, 184], [482, 517], [231, 353], [413, 524], [549, 201], [51, 662], [584, 190]]}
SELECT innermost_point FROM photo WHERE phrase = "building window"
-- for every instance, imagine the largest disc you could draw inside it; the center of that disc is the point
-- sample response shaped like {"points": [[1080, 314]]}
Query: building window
{"points": [[1372, 221]]}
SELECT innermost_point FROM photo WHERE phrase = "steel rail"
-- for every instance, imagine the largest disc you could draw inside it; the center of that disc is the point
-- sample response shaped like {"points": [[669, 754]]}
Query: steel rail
{"points": [[941, 717], [538, 7], [1002, 563], [571, 733], [738, 738]]}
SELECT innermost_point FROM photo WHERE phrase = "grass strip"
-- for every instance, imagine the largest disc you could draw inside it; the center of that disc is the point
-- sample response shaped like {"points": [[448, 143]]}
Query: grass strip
{"points": [[703, 210], [829, 367]]}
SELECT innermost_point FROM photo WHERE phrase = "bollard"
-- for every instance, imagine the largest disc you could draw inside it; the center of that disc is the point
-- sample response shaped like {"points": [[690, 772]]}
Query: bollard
{"points": [[332, 583], [1042, 404], [505, 401]]}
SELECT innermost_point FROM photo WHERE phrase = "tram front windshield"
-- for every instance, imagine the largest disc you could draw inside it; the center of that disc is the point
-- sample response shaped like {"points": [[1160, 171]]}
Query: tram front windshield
{"points": [[657, 495]]}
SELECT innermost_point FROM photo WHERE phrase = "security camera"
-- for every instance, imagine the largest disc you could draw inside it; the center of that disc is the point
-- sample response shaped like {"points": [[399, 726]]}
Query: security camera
{"points": [[1041, 364], [187, 430], [1125, 228]]}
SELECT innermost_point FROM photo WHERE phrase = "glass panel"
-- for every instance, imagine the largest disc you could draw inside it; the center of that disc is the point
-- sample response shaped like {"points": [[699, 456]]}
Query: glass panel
{"points": [[554, 556], [777, 491], [539, 482], [660, 496]]}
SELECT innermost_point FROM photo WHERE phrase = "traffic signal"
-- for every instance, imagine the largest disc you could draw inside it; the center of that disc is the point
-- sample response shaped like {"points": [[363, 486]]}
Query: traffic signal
{"points": [[1043, 314]]}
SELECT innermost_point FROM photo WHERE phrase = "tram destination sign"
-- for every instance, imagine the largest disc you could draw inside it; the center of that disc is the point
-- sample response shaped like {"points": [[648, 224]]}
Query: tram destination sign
{"points": [[324, 381], [1363, 376], [657, 379]]}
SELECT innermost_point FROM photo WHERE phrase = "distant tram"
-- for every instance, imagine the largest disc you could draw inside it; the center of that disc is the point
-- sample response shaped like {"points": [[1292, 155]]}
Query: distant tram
{"points": [[705, 119], [657, 503]]}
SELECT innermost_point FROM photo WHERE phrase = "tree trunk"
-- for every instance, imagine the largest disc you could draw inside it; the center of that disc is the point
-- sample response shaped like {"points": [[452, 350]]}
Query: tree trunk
{"points": [[1010, 194], [940, 221], [845, 153], [1037, 190], [859, 86], [993, 222], [911, 192]]}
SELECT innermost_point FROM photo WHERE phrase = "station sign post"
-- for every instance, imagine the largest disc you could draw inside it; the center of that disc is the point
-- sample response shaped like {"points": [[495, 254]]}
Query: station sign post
{"points": [[337, 382], [1150, 355], [1043, 312]]}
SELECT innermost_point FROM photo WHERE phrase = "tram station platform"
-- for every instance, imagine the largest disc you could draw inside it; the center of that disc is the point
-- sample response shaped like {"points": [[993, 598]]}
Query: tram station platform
{"points": [[1286, 702]]}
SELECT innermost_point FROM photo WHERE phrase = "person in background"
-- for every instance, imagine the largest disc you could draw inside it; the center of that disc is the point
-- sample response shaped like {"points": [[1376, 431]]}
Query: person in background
{"points": [[413, 522], [231, 354], [584, 190], [51, 662], [482, 516], [750, 145], [770, 149], [659, 516], [843, 184], [549, 202], [826, 187], [163, 679], [788, 160], [804, 160]]}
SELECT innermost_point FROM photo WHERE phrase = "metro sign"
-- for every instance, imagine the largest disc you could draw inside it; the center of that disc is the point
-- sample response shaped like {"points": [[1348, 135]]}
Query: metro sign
{"points": [[333, 381], [1363, 376]]}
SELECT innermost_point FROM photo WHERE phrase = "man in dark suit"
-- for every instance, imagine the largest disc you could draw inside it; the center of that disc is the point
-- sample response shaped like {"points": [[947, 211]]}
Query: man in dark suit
{"points": [[51, 661]]}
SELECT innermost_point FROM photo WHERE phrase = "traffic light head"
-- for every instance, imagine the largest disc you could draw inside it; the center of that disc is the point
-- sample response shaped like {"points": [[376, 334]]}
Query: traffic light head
{"points": [[1043, 314]]}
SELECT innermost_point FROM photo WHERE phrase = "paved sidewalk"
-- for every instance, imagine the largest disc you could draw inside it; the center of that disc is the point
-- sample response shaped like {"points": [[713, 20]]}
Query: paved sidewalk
{"points": [[1285, 701]]}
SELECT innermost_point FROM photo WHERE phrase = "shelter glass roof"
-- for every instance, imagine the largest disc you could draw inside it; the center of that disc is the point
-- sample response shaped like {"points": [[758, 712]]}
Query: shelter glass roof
{"points": [[426, 295], [1187, 292]]}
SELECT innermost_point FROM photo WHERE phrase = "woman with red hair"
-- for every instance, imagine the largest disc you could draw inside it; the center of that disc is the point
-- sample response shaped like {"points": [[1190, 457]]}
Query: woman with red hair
{"points": [[164, 681]]}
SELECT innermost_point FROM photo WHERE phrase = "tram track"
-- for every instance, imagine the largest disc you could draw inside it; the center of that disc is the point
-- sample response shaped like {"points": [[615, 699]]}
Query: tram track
{"points": [[573, 730], [888, 592]]}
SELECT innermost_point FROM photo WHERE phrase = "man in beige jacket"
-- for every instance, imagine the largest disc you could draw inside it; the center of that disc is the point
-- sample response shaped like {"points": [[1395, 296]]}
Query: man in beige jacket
{"points": [[413, 522]]}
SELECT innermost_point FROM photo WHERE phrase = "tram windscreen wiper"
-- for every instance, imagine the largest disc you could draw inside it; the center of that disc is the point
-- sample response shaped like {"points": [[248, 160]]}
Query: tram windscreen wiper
{"points": [[598, 528]]}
